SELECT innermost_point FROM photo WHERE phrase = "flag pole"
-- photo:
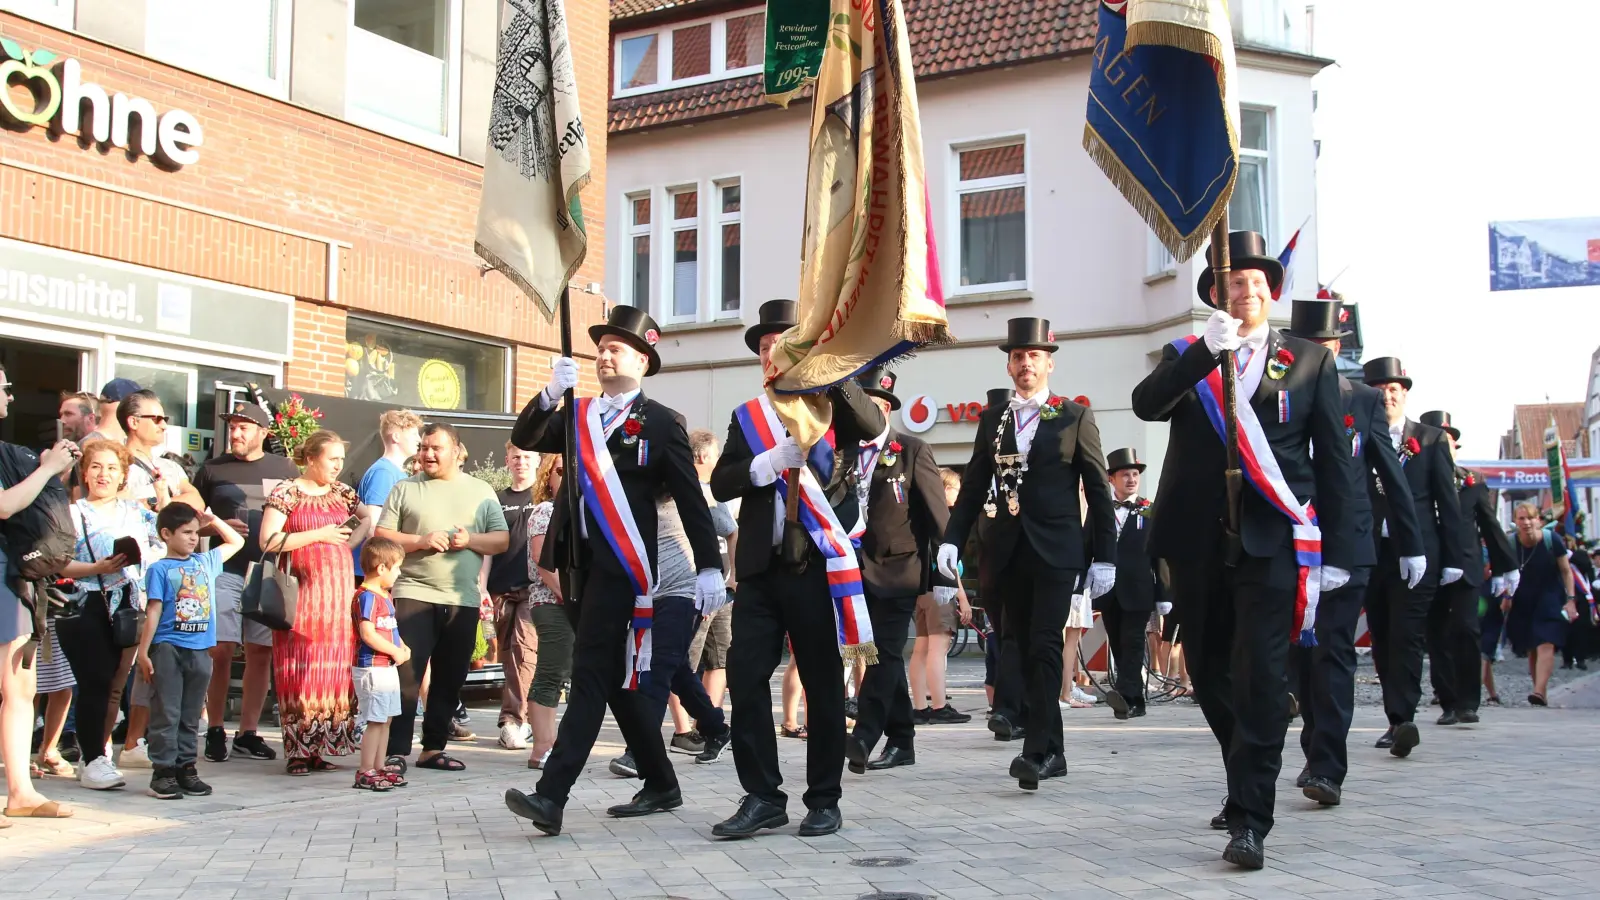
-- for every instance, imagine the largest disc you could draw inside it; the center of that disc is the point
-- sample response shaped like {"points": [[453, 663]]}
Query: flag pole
{"points": [[569, 449], [1221, 265]]}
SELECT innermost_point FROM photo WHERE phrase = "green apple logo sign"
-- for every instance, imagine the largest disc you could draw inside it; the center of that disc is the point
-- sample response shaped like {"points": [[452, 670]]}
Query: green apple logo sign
{"points": [[61, 99]]}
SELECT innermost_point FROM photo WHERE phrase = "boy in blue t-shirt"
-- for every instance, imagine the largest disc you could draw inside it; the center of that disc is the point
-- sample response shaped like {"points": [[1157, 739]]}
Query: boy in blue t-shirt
{"points": [[180, 629], [379, 654]]}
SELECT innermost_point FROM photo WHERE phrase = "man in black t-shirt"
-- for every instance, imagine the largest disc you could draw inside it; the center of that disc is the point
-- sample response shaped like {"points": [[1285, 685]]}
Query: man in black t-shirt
{"points": [[235, 486], [508, 586]]}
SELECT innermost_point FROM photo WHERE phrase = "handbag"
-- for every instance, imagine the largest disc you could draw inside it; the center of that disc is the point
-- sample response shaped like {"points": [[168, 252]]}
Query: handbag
{"points": [[127, 623], [272, 592]]}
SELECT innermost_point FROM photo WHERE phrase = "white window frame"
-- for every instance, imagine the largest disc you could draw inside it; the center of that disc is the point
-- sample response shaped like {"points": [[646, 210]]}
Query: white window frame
{"points": [[1268, 181], [664, 81], [61, 15], [1159, 261], [634, 232], [958, 188], [450, 141], [721, 219], [671, 226], [282, 39]]}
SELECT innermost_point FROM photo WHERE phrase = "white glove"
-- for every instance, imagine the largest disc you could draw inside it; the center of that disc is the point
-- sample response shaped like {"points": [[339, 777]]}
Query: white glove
{"points": [[1222, 333], [1513, 579], [1497, 585], [1102, 578], [1164, 608], [1448, 575], [1412, 568], [1334, 578], [711, 591], [563, 377], [1595, 584], [949, 558], [770, 465], [944, 596]]}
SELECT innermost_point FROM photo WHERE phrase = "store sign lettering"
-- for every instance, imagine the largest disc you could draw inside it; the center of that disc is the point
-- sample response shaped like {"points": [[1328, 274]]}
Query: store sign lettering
{"points": [[59, 95], [83, 296]]}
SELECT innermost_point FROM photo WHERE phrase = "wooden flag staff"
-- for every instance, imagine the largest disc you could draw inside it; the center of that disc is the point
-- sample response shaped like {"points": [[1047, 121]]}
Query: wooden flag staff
{"points": [[1221, 266]]}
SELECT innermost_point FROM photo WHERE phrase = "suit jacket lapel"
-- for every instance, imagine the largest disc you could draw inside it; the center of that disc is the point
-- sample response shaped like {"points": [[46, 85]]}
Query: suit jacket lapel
{"points": [[1039, 430], [1267, 385]]}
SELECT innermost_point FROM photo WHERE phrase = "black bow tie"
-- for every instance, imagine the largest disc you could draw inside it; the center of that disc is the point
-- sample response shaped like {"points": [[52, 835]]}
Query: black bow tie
{"points": [[1128, 504]]}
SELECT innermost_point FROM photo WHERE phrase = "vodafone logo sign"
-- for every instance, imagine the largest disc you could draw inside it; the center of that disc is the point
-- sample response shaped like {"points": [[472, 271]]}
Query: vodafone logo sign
{"points": [[919, 413]]}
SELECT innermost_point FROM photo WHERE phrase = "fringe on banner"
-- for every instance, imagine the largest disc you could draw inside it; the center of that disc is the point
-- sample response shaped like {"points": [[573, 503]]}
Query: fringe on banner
{"points": [[867, 653], [510, 272], [1182, 246], [1171, 34]]}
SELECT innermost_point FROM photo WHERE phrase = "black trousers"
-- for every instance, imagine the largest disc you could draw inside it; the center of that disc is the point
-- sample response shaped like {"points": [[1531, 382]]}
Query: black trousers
{"points": [[1125, 639], [1325, 679], [1010, 693], [443, 637], [1453, 653], [1236, 633], [885, 697], [1397, 618], [1037, 599], [605, 617], [86, 642], [766, 608], [672, 628]]}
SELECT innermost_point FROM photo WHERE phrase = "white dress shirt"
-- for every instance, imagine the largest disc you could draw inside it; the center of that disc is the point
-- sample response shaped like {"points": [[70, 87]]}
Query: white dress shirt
{"points": [[1252, 361], [1397, 438], [1025, 417], [607, 405]]}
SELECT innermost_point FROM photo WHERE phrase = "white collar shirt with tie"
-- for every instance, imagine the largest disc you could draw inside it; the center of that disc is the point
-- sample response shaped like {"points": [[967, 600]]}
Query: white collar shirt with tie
{"points": [[1397, 438], [1122, 513], [1025, 417], [866, 464], [1252, 362]]}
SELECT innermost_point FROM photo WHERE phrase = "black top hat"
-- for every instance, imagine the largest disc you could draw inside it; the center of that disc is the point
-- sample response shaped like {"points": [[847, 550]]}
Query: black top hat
{"points": [[1246, 250], [1126, 458], [1028, 333], [1438, 418], [879, 382], [636, 327], [1316, 320], [998, 397], [774, 317], [1383, 370]]}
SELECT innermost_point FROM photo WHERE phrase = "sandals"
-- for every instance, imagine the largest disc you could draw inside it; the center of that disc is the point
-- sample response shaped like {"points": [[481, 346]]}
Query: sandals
{"points": [[1537, 700], [799, 733], [395, 765], [1493, 700], [372, 781], [49, 809], [57, 767], [393, 779], [318, 764], [298, 767], [441, 762]]}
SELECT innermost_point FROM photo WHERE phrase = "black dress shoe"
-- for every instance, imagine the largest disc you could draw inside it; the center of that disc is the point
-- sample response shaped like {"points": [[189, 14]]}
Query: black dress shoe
{"points": [[754, 815], [892, 757], [1002, 727], [1135, 712], [819, 822], [852, 708], [1449, 718], [1387, 740], [1246, 850], [1406, 737], [646, 802], [855, 754], [1305, 777], [1467, 717], [1118, 704], [1026, 772], [1322, 790], [544, 813], [1219, 822], [1055, 766]]}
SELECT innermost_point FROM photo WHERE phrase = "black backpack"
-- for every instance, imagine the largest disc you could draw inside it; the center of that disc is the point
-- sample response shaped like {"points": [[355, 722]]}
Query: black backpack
{"points": [[40, 540]]}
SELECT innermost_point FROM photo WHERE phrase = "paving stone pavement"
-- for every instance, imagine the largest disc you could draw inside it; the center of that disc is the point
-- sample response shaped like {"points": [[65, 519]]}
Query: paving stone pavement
{"points": [[1470, 814]]}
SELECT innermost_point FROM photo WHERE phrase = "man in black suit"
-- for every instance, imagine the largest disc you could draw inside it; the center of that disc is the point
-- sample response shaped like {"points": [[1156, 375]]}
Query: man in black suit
{"points": [[902, 497], [1237, 595], [1028, 461], [1453, 628], [1324, 676], [1397, 612], [648, 445], [777, 597], [1138, 591]]}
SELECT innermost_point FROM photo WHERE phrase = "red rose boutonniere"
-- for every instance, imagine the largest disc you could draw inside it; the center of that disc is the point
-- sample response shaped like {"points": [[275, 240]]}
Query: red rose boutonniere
{"points": [[1052, 408], [1349, 426], [632, 426], [1471, 480], [1409, 449], [891, 454], [1278, 366]]}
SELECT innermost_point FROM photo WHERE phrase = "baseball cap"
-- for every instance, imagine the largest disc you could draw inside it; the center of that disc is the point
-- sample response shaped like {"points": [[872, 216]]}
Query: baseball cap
{"points": [[248, 412], [117, 389]]}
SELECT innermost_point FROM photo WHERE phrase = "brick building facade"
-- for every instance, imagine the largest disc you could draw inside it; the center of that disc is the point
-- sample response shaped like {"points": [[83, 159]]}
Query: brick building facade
{"points": [[355, 235]]}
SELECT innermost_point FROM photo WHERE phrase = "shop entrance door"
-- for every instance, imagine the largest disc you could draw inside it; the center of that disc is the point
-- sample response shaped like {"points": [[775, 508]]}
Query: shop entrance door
{"points": [[38, 374]]}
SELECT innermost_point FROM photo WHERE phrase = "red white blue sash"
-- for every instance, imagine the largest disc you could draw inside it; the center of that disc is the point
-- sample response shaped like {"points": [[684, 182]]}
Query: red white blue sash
{"points": [[603, 495], [761, 428], [1261, 470]]}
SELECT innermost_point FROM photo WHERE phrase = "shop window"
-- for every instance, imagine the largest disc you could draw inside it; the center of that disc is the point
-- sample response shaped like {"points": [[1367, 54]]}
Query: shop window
{"points": [[244, 42], [403, 66], [424, 370], [1250, 209], [991, 198], [689, 53]]}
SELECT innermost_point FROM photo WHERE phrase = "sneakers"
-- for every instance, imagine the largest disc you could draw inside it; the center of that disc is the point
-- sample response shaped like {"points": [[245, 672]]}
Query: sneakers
{"points": [[217, 743], [101, 775], [1079, 695], [135, 757], [189, 781], [947, 715], [715, 746], [922, 716], [460, 732], [164, 784], [247, 743], [623, 766], [689, 742], [514, 736]]}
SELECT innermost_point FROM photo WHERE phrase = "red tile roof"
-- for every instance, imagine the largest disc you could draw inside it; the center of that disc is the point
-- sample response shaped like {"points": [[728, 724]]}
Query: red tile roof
{"points": [[948, 37], [1531, 419]]}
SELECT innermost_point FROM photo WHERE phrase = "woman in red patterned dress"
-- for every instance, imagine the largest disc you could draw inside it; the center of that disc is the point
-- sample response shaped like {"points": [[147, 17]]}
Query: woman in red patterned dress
{"points": [[311, 664]]}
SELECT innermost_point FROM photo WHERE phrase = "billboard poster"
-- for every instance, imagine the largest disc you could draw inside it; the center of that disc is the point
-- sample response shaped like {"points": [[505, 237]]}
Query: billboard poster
{"points": [[1544, 253]]}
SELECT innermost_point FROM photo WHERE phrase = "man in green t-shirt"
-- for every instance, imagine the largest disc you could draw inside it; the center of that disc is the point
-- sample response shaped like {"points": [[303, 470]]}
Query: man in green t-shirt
{"points": [[447, 522]]}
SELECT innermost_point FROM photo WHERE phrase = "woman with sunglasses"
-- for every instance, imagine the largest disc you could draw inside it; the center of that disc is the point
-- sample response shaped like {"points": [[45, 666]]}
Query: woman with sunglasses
{"points": [[553, 659]]}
